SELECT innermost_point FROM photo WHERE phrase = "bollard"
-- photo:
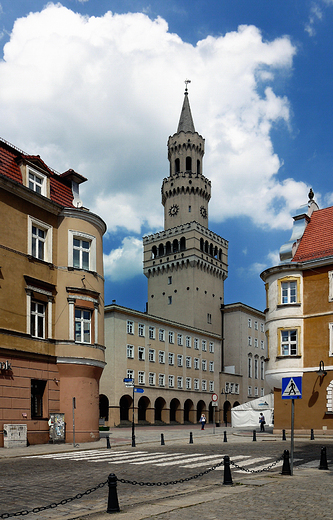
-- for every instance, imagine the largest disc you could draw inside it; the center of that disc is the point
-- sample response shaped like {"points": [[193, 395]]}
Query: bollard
{"points": [[312, 435], [191, 438], [225, 437], [286, 466], [254, 435], [162, 439], [108, 445], [284, 435], [323, 459], [227, 480], [133, 441], [113, 505]]}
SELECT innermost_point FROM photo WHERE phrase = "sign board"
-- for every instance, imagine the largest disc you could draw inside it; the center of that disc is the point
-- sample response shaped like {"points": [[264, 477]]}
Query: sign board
{"points": [[291, 387], [128, 380], [129, 385], [139, 390], [214, 397], [215, 403]]}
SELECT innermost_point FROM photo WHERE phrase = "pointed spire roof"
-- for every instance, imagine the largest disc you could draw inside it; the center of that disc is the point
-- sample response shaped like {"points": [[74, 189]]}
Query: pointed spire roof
{"points": [[185, 121]]}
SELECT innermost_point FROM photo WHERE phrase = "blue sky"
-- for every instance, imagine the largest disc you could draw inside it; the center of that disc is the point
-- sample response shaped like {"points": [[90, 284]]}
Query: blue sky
{"points": [[98, 86]]}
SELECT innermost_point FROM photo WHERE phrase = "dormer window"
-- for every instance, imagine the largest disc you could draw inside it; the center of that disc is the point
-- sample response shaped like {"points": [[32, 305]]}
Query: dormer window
{"points": [[37, 182]]}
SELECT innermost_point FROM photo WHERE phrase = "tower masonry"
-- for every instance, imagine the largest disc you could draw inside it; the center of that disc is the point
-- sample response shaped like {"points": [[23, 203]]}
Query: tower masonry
{"points": [[186, 264]]}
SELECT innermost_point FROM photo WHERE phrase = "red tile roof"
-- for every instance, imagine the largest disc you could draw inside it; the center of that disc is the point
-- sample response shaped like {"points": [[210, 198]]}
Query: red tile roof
{"points": [[317, 240], [10, 157]]}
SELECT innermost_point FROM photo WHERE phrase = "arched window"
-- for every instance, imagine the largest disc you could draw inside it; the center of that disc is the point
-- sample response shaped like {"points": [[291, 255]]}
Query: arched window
{"points": [[182, 244], [215, 252], [206, 247], [188, 164], [201, 244], [175, 246], [177, 165], [198, 166], [168, 248], [211, 250], [161, 250], [220, 255], [154, 252]]}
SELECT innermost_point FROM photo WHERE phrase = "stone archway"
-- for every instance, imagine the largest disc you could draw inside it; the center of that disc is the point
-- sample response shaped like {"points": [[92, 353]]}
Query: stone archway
{"points": [[201, 408], [175, 411], [124, 404], [227, 413], [143, 404], [103, 407], [160, 410], [189, 416]]}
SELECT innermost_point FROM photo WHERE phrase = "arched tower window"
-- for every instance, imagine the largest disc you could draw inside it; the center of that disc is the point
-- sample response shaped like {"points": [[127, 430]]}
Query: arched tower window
{"points": [[206, 247], [161, 250], [220, 255], [188, 164], [201, 244], [177, 165], [168, 248], [154, 252], [211, 250], [175, 246], [198, 166], [182, 244]]}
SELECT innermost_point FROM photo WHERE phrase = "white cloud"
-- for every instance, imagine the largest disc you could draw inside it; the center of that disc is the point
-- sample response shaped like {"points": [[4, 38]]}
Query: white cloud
{"points": [[102, 94], [124, 262]]}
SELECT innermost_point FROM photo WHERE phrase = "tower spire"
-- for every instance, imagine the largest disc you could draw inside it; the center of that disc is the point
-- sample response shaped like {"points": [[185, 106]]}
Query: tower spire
{"points": [[186, 121]]}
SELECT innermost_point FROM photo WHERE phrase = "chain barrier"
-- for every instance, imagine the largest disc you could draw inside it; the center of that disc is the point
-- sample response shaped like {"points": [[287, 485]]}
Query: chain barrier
{"points": [[267, 468]]}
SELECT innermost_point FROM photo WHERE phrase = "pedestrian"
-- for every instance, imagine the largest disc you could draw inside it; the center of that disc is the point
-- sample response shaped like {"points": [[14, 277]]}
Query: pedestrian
{"points": [[262, 422], [203, 421]]}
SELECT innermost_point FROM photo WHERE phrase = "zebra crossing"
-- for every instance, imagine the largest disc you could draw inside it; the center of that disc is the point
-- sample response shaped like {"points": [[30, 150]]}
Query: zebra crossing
{"points": [[184, 460]]}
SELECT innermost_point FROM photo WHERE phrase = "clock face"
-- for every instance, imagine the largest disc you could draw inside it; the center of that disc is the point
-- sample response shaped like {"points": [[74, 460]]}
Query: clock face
{"points": [[173, 210], [203, 212]]}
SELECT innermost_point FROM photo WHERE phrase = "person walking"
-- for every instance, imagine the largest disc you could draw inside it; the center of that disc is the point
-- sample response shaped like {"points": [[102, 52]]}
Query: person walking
{"points": [[262, 422], [203, 421]]}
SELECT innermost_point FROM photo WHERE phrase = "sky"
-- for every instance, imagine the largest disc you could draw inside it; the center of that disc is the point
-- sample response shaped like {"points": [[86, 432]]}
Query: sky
{"points": [[98, 86]]}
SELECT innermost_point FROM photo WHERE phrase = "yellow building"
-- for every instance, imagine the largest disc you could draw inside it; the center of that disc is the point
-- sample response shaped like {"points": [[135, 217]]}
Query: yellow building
{"points": [[299, 319], [52, 286]]}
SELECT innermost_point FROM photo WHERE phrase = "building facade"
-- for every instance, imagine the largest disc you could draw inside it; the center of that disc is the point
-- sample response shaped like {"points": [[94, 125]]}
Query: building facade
{"points": [[52, 287], [299, 319]]}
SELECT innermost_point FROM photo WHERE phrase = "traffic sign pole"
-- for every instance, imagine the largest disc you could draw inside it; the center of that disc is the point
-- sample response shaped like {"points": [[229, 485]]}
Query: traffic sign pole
{"points": [[292, 436]]}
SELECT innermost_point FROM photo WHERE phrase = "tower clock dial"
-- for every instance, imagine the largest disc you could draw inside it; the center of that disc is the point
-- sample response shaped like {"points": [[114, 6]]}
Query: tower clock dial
{"points": [[203, 212], [173, 210]]}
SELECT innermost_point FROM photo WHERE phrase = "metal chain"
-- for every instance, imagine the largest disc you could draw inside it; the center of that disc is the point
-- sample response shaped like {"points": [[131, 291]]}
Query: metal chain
{"points": [[267, 468]]}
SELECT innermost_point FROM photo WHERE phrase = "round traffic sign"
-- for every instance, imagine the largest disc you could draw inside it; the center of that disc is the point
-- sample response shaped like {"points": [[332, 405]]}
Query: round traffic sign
{"points": [[215, 397]]}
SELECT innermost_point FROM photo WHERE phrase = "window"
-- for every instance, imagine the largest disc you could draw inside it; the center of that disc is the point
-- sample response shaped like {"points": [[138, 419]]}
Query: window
{"points": [[179, 339], [262, 369], [227, 388], [188, 362], [255, 342], [204, 364], [82, 326], [130, 374], [130, 351], [196, 384], [151, 355], [249, 323], [169, 300], [39, 240], [37, 182], [288, 342], [211, 366], [289, 292], [196, 344], [249, 391], [179, 382], [256, 393], [130, 327], [204, 345], [188, 341], [171, 337], [141, 353], [262, 344], [188, 383], [152, 378], [81, 250], [255, 325], [204, 385], [249, 374], [211, 386], [262, 327], [37, 319], [262, 392], [141, 330], [169, 280], [81, 253], [179, 360], [161, 356], [236, 388], [37, 395], [209, 318], [171, 381], [151, 332], [196, 364], [161, 335], [161, 379], [171, 358], [211, 347], [141, 377], [256, 368], [249, 341]]}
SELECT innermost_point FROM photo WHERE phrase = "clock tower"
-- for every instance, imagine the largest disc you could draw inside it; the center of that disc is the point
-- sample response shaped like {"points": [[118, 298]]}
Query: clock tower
{"points": [[186, 264]]}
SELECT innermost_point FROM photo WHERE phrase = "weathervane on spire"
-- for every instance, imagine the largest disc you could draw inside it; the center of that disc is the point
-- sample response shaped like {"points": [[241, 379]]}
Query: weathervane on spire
{"points": [[187, 81]]}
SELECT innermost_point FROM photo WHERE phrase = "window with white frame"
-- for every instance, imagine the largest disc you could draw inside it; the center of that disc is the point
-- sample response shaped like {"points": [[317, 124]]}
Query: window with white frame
{"points": [[255, 325], [227, 388], [289, 342], [82, 326], [262, 392], [249, 322], [39, 240], [152, 378], [151, 332], [179, 382], [249, 341], [262, 327], [196, 363], [179, 360], [171, 381], [255, 342], [141, 377], [262, 369], [161, 379], [232, 386], [236, 388], [141, 330], [204, 364], [141, 353], [188, 383], [256, 368], [211, 347], [249, 391], [151, 355], [180, 339], [204, 345], [196, 344], [81, 250], [289, 292], [211, 366], [188, 362], [256, 393], [196, 383], [188, 341], [130, 351], [37, 182], [130, 327], [211, 386], [204, 385], [129, 374], [161, 356], [249, 365], [171, 358], [171, 337], [81, 253], [37, 319], [161, 335]]}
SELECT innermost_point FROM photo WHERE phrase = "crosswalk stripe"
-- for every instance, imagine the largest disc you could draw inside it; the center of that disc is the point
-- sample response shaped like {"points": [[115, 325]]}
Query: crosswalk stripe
{"points": [[215, 459], [157, 458]]}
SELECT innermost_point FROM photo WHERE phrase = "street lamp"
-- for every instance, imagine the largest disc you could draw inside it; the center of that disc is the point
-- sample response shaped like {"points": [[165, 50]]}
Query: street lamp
{"points": [[321, 372], [225, 392]]}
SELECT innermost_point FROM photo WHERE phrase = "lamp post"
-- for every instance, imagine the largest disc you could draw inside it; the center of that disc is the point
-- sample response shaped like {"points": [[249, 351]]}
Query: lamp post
{"points": [[225, 393]]}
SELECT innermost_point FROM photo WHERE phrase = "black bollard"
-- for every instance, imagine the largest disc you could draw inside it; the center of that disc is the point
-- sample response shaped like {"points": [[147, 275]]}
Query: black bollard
{"points": [[323, 459], [254, 435], [286, 465], [162, 439], [227, 480], [312, 435], [108, 445], [133, 441], [191, 438], [225, 437], [113, 505]]}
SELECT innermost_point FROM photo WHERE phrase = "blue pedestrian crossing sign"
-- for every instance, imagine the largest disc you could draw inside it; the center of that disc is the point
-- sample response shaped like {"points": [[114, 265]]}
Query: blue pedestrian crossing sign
{"points": [[291, 387]]}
